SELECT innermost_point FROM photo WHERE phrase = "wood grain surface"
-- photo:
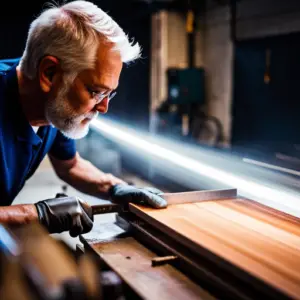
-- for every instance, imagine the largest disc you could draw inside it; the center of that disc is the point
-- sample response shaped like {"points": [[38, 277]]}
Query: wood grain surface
{"points": [[261, 241], [132, 262]]}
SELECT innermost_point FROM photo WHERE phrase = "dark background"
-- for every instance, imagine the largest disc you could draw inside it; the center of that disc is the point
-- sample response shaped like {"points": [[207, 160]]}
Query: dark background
{"points": [[264, 116]]}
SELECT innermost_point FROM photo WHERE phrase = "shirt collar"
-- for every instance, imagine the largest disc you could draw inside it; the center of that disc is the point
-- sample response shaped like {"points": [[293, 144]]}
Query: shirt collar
{"points": [[24, 131]]}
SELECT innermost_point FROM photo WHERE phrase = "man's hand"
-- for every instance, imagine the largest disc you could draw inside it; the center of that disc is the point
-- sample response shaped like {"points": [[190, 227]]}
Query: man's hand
{"points": [[123, 194], [65, 214]]}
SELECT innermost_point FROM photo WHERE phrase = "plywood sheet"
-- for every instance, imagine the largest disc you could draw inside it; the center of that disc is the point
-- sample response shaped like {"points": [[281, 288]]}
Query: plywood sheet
{"points": [[259, 240]]}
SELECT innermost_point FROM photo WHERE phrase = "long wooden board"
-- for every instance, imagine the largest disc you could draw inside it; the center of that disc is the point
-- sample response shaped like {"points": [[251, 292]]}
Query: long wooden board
{"points": [[132, 262], [260, 241]]}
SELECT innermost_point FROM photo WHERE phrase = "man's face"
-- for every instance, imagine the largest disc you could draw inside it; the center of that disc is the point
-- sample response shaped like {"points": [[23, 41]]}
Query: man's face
{"points": [[76, 104]]}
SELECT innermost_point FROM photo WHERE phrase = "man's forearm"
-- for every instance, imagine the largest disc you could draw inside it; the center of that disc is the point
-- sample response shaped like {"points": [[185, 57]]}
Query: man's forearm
{"points": [[18, 214], [85, 177]]}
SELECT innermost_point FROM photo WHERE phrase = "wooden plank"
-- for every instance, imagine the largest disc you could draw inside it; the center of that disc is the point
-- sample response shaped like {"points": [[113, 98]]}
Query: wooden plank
{"points": [[262, 249], [289, 239], [278, 257], [132, 262], [260, 212]]}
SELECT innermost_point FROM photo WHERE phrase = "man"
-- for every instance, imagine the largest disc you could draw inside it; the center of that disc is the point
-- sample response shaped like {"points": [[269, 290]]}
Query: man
{"points": [[66, 76]]}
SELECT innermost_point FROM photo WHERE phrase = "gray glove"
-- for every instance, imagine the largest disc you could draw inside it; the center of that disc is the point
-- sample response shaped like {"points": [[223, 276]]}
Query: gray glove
{"points": [[123, 194]]}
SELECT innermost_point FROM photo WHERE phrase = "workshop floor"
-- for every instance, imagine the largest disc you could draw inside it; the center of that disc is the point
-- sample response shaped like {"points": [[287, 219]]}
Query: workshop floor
{"points": [[45, 184]]}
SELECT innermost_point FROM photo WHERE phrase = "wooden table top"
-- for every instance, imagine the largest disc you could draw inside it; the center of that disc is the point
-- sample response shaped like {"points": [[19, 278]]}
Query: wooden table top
{"points": [[257, 239], [132, 262]]}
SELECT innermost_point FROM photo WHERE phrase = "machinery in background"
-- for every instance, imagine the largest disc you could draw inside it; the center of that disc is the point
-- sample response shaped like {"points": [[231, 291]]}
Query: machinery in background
{"points": [[183, 114], [186, 86]]}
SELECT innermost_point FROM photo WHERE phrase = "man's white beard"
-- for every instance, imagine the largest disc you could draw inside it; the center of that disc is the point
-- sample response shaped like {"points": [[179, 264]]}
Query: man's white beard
{"points": [[61, 115]]}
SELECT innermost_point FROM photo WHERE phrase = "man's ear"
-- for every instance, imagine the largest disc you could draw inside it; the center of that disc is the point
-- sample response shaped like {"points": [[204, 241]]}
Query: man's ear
{"points": [[48, 68]]}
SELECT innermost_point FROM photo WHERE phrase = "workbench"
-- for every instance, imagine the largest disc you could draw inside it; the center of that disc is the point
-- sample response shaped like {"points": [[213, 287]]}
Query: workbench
{"points": [[131, 260], [241, 250]]}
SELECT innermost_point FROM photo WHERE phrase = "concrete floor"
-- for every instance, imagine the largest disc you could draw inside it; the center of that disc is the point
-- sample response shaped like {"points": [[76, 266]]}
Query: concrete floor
{"points": [[45, 184]]}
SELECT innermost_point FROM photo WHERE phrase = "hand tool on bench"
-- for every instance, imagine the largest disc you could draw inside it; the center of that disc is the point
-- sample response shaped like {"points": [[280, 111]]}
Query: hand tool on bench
{"points": [[174, 198]]}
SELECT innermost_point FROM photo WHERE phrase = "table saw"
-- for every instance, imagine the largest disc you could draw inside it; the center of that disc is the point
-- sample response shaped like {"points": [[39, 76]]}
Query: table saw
{"points": [[220, 247]]}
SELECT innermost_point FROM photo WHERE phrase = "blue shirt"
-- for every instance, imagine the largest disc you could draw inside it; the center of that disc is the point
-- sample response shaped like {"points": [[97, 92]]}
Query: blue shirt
{"points": [[21, 149]]}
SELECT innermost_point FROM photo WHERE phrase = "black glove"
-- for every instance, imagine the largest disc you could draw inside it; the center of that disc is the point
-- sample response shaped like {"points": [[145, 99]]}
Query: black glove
{"points": [[124, 194], [65, 214]]}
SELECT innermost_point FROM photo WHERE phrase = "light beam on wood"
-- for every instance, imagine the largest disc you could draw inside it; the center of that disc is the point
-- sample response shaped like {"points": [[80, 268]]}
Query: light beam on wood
{"points": [[278, 198]]}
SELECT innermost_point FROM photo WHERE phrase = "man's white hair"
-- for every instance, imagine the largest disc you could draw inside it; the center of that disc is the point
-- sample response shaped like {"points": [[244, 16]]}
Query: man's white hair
{"points": [[72, 33]]}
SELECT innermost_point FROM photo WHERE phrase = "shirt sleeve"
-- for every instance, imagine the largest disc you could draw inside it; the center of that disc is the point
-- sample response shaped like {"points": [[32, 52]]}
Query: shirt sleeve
{"points": [[62, 148]]}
